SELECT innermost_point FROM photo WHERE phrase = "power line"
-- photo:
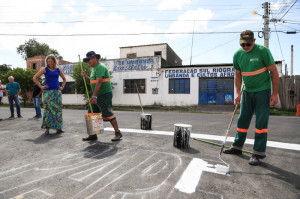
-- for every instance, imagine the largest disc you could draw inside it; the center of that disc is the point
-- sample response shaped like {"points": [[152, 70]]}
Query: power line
{"points": [[278, 41], [288, 9], [112, 21], [134, 5], [126, 34]]}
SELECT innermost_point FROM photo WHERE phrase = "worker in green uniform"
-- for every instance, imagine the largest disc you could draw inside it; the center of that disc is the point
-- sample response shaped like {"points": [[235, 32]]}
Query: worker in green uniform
{"points": [[254, 65], [101, 99]]}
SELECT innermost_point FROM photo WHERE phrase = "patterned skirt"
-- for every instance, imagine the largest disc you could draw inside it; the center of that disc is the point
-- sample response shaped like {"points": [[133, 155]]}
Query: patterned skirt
{"points": [[52, 117]]}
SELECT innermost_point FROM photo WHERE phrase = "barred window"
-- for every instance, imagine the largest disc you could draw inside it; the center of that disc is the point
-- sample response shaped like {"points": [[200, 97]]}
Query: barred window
{"points": [[179, 85], [69, 88], [131, 84]]}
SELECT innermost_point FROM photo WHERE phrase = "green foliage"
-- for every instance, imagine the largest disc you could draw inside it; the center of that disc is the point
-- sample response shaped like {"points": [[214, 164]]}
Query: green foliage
{"points": [[79, 84], [24, 78], [3, 70], [33, 48]]}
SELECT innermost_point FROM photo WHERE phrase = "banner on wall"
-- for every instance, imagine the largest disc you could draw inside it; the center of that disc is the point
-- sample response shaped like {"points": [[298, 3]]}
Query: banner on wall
{"points": [[200, 72]]}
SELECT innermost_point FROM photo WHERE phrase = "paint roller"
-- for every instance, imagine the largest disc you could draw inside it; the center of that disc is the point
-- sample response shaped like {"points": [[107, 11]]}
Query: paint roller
{"points": [[221, 168]]}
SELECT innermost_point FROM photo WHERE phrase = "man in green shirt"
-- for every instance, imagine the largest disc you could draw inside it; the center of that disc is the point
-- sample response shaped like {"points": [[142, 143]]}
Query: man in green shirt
{"points": [[255, 66], [101, 99]]}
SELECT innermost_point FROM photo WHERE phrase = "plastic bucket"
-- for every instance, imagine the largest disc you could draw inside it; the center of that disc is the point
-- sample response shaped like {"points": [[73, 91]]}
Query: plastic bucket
{"points": [[94, 123]]}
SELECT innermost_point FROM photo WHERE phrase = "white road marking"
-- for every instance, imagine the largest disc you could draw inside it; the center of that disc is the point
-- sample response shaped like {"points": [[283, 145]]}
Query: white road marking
{"points": [[192, 175], [280, 145]]}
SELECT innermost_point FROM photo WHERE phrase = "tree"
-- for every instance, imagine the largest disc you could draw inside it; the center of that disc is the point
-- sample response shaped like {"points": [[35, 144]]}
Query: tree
{"points": [[3, 70], [24, 78], [33, 48], [79, 84]]}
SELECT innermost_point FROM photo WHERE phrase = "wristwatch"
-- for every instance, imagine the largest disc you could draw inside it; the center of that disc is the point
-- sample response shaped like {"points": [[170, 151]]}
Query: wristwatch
{"points": [[94, 96]]}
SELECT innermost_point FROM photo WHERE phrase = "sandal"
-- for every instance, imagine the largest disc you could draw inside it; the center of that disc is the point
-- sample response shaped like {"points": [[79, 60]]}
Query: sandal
{"points": [[59, 131]]}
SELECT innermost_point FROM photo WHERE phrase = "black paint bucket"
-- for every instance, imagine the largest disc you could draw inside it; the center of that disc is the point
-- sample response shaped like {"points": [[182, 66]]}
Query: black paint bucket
{"points": [[146, 121], [182, 133]]}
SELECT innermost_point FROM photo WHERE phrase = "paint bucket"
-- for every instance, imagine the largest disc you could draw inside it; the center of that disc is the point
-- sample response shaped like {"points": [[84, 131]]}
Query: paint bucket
{"points": [[94, 123], [146, 121], [182, 134]]}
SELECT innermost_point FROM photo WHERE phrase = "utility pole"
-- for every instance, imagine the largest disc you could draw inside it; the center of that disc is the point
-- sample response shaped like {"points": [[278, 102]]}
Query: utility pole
{"points": [[266, 24], [292, 60]]}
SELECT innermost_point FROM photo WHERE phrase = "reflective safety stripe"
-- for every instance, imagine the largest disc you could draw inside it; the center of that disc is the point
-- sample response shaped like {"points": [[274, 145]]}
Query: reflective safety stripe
{"points": [[255, 72], [242, 130], [109, 118], [103, 80], [261, 131], [106, 80]]}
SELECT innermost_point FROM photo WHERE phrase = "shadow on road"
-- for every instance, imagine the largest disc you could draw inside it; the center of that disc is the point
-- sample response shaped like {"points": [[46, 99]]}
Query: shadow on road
{"points": [[43, 138], [281, 174], [100, 150], [190, 150], [277, 172]]}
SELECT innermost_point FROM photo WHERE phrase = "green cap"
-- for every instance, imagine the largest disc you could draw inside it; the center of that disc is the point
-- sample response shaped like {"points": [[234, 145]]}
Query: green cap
{"points": [[247, 36]]}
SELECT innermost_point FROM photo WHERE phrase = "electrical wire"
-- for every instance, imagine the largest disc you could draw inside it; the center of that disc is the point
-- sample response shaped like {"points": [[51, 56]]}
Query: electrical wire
{"points": [[288, 9], [111, 21], [122, 34], [279, 42]]}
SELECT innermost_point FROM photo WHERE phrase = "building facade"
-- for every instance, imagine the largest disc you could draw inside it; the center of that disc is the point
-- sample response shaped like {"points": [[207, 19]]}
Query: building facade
{"points": [[157, 74]]}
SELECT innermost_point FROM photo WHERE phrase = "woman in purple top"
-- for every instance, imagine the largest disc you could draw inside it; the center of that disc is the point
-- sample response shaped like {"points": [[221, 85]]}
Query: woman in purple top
{"points": [[52, 98]]}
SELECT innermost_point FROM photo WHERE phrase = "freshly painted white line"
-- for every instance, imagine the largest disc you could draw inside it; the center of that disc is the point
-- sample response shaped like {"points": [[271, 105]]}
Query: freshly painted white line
{"points": [[280, 145], [192, 175]]}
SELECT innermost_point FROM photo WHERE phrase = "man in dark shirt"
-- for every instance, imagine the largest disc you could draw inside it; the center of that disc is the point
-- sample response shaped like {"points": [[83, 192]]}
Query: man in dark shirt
{"points": [[36, 98]]}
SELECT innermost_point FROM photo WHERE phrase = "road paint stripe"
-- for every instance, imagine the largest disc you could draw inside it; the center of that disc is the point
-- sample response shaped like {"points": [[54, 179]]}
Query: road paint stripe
{"points": [[280, 145], [190, 177]]}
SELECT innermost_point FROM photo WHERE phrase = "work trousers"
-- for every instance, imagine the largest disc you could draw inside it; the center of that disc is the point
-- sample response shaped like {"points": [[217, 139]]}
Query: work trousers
{"points": [[258, 103], [11, 100]]}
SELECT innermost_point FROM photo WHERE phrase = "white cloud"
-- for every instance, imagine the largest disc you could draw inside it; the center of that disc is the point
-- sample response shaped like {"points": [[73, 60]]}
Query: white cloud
{"points": [[71, 47], [29, 10], [173, 4], [69, 6], [185, 22], [92, 9]]}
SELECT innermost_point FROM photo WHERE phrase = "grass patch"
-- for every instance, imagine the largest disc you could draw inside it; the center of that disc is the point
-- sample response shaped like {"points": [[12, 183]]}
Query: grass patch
{"points": [[274, 111]]}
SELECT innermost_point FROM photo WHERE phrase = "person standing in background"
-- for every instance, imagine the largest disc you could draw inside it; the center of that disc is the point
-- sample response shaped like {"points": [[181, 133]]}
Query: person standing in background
{"points": [[1, 92], [14, 91], [36, 99], [52, 97]]}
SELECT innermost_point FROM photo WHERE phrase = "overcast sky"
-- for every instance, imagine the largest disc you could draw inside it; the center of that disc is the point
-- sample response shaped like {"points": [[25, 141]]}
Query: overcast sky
{"points": [[74, 27]]}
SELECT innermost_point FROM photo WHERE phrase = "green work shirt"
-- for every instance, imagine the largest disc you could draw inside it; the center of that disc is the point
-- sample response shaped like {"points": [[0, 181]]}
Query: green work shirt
{"points": [[253, 65], [100, 70], [13, 88]]}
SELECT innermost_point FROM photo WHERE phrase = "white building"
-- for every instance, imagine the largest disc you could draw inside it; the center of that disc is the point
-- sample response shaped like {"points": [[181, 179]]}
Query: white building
{"points": [[161, 79]]}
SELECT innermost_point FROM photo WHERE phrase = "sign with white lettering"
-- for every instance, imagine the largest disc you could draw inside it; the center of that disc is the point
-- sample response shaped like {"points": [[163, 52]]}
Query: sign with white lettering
{"points": [[200, 72], [67, 69], [127, 65]]}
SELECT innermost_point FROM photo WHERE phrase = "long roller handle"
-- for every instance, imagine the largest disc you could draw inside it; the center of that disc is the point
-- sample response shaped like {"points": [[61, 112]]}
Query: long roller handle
{"points": [[139, 97], [87, 92], [228, 129]]}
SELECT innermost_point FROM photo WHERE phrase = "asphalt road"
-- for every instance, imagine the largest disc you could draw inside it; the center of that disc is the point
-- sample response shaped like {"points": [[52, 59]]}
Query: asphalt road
{"points": [[144, 164]]}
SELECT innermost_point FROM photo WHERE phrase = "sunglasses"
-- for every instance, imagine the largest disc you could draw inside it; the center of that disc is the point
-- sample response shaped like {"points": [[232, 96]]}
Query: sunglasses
{"points": [[243, 45]]}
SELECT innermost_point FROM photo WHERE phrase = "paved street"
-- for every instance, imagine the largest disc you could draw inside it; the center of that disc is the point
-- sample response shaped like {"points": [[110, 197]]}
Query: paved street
{"points": [[144, 164]]}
